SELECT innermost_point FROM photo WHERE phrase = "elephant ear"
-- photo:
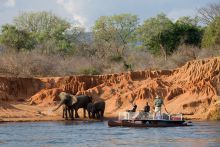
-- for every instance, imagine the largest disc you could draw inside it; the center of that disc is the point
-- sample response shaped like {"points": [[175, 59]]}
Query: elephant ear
{"points": [[74, 99], [63, 95], [67, 98]]}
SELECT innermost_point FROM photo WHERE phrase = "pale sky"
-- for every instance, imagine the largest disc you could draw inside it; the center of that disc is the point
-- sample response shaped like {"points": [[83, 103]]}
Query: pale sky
{"points": [[85, 12]]}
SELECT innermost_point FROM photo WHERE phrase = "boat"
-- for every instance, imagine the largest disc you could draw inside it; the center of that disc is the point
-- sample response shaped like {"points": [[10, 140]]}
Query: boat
{"points": [[145, 120]]}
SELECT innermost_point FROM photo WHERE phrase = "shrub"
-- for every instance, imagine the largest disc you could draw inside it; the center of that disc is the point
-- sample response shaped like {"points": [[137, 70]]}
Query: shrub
{"points": [[116, 58], [215, 114], [35, 63], [90, 71], [30, 64]]}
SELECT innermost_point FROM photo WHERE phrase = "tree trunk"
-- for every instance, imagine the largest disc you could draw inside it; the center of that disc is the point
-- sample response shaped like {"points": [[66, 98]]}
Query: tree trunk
{"points": [[164, 52]]}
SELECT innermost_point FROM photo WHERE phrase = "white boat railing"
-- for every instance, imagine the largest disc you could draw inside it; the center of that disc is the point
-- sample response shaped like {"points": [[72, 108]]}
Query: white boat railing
{"points": [[148, 116]]}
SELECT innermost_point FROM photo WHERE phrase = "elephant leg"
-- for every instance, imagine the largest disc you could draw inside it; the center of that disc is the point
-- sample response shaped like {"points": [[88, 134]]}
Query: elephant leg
{"points": [[88, 114], [64, 111], [102, 114], [84, 112], [97, 115], [69, 111], [93, 114], [66, 117], [76, 113], [71, 115]]}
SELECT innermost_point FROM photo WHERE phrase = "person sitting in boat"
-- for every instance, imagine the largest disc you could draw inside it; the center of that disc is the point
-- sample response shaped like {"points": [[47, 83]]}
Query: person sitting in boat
{"points": [[158, 102], [133, 109], [147, 108]]}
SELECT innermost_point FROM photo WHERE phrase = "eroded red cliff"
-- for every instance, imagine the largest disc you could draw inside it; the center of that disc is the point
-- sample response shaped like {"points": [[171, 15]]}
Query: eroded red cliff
{"points": [[192, 89]]}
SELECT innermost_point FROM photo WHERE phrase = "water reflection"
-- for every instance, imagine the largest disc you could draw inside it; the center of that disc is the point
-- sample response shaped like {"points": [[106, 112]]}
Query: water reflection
{"points": [[68, 133]]}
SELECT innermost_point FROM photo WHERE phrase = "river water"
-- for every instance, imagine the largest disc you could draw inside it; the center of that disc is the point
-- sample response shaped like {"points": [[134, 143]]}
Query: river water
{"points": [[77, 134]]}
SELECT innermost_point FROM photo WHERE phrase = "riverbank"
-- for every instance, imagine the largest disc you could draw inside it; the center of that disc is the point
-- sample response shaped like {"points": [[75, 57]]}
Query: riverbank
{"points": [[24, 112], [192, 90]]}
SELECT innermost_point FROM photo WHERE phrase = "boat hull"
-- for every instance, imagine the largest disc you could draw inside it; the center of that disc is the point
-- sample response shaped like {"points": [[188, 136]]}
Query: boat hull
{"points": [[146, 124]]}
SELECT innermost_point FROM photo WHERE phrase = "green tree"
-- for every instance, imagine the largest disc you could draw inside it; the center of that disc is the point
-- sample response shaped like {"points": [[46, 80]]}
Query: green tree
{"points": [[49, 32], [74, 37], [212, 34], [17, 39], [115, 33], [161, 36], [41, 22], [154, 34], [188, 32]]}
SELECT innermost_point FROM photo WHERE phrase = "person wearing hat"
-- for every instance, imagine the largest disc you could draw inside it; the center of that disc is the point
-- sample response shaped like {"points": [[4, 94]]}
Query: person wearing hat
{"points": [[158, 102], [133, 109]]}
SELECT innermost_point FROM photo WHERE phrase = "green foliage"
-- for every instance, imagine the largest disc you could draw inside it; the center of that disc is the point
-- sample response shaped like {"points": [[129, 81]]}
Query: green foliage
{"points": [[90, 71], [116, 58], [111, 39], [188, 31], [46, 28], [39, 22], [161, 35], [212, 34], [151, 31], [115, 32], [42, 31], [15, 38], [186, 20]]}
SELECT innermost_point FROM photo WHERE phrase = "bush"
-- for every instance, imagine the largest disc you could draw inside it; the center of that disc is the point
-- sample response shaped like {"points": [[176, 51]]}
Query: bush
{"points": [[31, 64], [212, 34], [90, 71], [116, 58], [37, 64], [215, 114], [182, 55]]}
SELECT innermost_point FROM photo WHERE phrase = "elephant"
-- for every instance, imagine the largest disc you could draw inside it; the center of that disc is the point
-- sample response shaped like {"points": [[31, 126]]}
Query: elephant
{"points": [[72, 103], [82, 102], [67, 110], [67, 100], [97, 109]]}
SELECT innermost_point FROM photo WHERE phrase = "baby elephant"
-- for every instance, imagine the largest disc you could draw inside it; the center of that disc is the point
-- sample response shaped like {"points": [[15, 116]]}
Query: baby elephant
{"points": [[97, 109]]}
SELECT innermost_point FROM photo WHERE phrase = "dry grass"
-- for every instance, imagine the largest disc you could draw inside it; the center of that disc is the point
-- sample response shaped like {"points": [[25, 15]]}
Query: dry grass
{"points": [[29, 64], [32, 64]]}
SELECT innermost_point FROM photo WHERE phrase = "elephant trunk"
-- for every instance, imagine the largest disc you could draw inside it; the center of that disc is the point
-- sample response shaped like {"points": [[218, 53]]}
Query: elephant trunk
{"points": [[61, 103]]}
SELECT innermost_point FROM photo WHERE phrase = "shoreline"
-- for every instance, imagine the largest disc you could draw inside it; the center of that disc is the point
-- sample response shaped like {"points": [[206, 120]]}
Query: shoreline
{"points": [[12, 120], [24, 112], [60, 119]]}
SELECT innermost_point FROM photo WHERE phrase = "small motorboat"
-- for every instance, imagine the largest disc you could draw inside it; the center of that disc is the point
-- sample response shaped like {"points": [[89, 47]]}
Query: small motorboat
{"points": [[143, 119]]}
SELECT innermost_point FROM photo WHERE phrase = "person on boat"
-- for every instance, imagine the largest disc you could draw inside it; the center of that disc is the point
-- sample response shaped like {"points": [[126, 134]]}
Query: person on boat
{"points": [[133, 109], [147, 108], [158, 102]]}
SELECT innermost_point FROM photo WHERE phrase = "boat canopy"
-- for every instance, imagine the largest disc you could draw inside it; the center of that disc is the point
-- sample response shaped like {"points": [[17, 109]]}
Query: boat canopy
{"points": [[148, 116]]}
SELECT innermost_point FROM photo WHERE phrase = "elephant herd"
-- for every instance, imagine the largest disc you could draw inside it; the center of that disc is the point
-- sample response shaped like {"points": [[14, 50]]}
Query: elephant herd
{"points": [[71, 103]]}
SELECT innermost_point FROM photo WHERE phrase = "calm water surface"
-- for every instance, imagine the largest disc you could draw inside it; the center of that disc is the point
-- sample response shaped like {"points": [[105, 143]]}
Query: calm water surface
{"points": [[65, 134]]}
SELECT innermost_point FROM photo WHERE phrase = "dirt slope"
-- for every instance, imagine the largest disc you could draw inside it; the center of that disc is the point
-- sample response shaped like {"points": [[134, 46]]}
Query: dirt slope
{"points": [[192, 90]]}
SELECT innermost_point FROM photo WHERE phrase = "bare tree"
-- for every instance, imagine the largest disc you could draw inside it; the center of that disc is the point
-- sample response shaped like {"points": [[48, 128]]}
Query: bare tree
{"points": [[208, 14]]}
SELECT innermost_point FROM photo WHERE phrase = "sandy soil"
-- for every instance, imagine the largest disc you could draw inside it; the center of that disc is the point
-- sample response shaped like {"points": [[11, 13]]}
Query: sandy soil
{"points": [[24, 112]]}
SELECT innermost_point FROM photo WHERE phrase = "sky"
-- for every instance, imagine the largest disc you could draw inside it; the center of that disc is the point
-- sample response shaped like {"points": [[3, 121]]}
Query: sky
{"points": [[86, 12]]}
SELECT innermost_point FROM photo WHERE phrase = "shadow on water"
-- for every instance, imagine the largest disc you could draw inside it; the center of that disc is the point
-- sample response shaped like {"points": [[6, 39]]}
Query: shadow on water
{"points": [[85, 133]]}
